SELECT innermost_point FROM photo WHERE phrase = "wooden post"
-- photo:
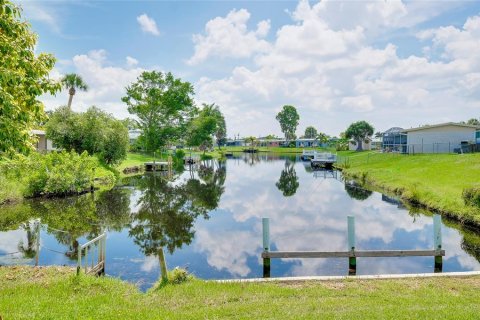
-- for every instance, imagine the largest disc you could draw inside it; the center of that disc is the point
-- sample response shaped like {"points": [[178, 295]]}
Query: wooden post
{"points": [[266, 246], [37, 242], [437, 241], [79, 261], [163, 265], [352, 261]]}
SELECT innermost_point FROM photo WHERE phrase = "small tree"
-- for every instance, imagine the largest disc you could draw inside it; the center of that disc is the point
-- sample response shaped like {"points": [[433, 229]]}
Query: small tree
{"points": [[322, 137], [251, 141], [359, 131], [473, 122], [73, 82], [310, 133], [288, 119]]}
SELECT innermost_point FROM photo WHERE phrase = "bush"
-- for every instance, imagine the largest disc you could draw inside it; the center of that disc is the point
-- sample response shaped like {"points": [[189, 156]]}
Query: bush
{"points": [[55, 173], [471, 196]]}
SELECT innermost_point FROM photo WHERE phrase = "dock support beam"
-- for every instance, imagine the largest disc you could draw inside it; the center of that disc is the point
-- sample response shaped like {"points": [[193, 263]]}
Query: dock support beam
{"points": [[266, 246], [352, 261], [437, 241]]}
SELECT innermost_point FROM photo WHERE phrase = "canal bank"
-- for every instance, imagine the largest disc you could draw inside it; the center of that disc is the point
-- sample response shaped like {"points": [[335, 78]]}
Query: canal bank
{"points": [[443, 183], [22, 296]]}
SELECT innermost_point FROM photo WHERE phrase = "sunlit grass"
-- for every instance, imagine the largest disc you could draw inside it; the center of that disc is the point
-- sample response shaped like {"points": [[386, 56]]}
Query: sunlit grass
{"points": [[435, 180], [55, 293]]}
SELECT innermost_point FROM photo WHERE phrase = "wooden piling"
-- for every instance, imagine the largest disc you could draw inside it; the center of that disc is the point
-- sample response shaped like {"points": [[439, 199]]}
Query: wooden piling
{"points": [[266, 246], [437, 242], [352, 260]]}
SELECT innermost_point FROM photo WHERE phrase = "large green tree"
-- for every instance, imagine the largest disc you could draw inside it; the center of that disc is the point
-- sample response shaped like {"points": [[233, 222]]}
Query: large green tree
{"points": [[359, 131], [288, 119], [24, 76], [94, 131], [163, 106], [220, 131], [310, 133], [201, 130], [73, 82]]}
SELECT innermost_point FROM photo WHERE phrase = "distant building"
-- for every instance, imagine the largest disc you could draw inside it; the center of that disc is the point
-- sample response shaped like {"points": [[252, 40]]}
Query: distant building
{"points": [[442, 138], [394, 140], [264, 142], [439, 138], [235, 143], [307, 143], [133, 135], [43, 144]]}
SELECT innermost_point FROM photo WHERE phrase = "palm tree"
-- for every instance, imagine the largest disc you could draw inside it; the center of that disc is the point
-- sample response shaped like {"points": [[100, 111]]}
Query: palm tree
{"points": [[72, 82]]}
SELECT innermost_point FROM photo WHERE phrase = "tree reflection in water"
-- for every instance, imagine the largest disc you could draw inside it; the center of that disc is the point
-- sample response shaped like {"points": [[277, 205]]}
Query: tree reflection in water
{"points": [[168, 210], [355, 191], [288, 182]]}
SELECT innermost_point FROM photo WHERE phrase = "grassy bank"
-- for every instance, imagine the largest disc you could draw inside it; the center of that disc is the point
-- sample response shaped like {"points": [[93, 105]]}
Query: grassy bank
{"points": [[433, 180], [54, 293]]}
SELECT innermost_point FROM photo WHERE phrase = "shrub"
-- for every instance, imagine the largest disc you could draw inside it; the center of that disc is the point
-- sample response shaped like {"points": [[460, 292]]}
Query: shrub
{"points": [[55, 173], [471, 196]]}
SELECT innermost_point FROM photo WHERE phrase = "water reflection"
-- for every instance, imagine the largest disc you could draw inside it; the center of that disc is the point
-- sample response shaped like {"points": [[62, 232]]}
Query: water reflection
{"points": [[355, 191], [288, 182], [211, 222]]}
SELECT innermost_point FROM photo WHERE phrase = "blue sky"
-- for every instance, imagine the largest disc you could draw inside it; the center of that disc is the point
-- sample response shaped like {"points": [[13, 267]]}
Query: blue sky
{"points": [[391, 63]]}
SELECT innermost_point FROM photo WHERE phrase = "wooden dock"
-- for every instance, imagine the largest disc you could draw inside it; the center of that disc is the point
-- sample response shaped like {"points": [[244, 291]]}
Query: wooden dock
{"points": [[308, 155], [323, 159], [156, 166], [352, 253]]}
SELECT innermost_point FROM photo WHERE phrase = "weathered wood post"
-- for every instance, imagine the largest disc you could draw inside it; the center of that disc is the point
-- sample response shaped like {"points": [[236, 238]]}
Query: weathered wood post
{"points": [[37, 242], [437, 242], [163, 265], [266, 246], [352, 260]]}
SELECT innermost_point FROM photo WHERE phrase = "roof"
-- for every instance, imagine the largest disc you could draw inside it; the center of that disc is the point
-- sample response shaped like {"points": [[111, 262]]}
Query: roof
{"points": [[456, 124], [38, 132], [394, 130]]}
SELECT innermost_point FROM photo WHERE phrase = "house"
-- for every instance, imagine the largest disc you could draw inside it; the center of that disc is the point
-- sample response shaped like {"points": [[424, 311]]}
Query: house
{"points": [[235, 143], [43, 144], [442, 138], [307, 143], [264, 142], [394, 140]]}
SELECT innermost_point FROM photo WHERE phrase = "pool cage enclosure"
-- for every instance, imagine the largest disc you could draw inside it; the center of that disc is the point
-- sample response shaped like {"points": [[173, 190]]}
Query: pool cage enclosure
{"points": [[395, 140]]}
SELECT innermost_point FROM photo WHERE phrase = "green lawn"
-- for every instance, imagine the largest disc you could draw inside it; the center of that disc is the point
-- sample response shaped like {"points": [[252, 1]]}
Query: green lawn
{"points": [[54, 293], [434, 180]]}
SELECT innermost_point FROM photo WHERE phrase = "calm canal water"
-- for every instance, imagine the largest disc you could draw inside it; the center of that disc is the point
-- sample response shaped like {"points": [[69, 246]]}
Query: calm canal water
{"points": [[209, 221]]}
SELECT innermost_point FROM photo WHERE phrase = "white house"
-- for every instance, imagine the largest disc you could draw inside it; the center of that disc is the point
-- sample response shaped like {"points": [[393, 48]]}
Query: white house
{"points": [[440, 138], [43, 144]]}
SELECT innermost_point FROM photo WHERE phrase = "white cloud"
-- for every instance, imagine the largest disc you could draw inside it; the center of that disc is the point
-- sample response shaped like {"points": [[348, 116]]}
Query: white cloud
{"points": [[42, 13], [131, 62], [230, 37], [106, 83], [330, 69], [148, 25]]}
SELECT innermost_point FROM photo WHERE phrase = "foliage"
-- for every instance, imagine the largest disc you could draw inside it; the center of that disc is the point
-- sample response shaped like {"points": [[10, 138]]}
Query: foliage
{"points": [[94, 131], [163, 105], [55, 173], [310, 133], [355, 191], [471, 196], [202, 129], [72, 82], [10, 190], [322, 137], [175, 277], [359, 131], [288, 182], [251, 141], [288, 119], [473, 122], [24, 77]]}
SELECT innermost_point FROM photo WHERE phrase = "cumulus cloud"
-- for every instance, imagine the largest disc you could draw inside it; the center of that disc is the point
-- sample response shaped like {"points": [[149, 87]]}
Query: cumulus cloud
{"points": [[148, 25], [334, 72], [106, 83], [229, 36]]}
